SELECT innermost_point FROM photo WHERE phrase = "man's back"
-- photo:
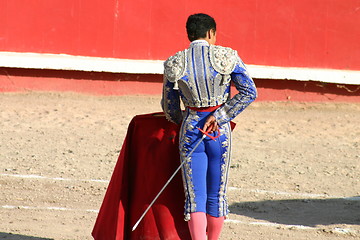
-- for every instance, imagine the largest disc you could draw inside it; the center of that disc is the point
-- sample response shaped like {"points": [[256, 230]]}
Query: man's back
{"points": [[202, 73]]}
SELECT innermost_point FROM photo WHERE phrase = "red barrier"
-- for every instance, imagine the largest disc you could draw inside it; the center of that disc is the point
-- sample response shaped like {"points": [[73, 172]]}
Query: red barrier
{"points": [[301, 33], [19, 80]]}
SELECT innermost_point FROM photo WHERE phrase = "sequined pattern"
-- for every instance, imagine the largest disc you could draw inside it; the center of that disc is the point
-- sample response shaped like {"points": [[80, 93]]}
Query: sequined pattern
{"points": [[187, 126], [190, 121], [225, 164], [223, 59], [170, 103], [201, 76], [246, 95], [175, 66]]}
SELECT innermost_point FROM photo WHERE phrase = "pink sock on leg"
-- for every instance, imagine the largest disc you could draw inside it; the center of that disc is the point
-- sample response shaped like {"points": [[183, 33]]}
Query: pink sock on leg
{"points": [[214, 226], [197, 226]]}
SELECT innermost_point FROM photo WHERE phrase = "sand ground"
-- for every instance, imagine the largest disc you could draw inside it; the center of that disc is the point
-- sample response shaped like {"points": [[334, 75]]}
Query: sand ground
{"points": [[294, 173]]}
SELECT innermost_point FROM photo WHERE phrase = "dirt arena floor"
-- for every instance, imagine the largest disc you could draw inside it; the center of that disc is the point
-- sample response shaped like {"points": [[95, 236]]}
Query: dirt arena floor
{"points": [[295, 172]]}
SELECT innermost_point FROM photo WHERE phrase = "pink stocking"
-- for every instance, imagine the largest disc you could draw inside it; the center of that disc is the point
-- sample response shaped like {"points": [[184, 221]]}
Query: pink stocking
{"points": [[214, 225], [197, 226]]}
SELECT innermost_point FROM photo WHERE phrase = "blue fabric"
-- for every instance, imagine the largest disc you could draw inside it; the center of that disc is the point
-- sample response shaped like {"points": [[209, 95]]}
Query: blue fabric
{"points": [[202, 86], [246, 95], [194, 76], [206, 170]]}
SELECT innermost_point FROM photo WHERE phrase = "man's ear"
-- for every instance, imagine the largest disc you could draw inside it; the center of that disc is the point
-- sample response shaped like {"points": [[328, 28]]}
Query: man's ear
{"points": [[208, 35], [211, 33]]}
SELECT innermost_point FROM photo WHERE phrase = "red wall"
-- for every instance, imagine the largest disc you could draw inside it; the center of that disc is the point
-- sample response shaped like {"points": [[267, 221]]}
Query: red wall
{"points": [[298, 33]]}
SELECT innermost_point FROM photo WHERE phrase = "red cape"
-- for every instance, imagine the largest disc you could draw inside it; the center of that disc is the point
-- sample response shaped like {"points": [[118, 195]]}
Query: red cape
{"points": [[149, 156]]}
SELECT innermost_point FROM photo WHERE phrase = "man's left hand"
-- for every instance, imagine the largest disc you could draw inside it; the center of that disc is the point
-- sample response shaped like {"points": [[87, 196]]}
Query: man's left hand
{"points": [[211, 124]]}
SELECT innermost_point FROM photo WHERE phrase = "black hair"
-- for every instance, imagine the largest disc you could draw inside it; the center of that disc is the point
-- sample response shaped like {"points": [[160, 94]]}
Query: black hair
{"points": [[198, 25]]}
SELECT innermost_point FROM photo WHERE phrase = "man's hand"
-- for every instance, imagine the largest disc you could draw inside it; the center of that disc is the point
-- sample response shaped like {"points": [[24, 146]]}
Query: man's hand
{"points": [[211, 124]]}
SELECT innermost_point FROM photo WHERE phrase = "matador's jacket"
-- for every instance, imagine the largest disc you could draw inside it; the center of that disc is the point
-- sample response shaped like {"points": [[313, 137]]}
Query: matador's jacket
{"points": [[200, 77]]}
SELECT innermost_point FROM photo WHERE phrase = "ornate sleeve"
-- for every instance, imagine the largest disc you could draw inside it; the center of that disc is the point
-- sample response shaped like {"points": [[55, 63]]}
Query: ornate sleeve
{"points": [[246, 95], [170, 102]]}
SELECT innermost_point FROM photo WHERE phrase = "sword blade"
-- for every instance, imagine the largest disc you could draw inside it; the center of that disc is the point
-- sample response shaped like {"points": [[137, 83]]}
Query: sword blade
{"points": [[167, 183]]}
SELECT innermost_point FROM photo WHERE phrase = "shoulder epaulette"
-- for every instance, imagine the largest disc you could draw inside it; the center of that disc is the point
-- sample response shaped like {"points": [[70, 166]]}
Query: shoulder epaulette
{"points": [[223, 59], [174, 66]]}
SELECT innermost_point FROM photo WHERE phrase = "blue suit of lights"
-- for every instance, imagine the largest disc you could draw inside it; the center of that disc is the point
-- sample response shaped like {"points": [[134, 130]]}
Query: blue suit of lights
{"points": [[200, 77]]}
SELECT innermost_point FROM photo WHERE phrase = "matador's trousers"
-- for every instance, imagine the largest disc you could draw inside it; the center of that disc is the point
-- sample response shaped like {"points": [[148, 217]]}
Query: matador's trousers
{"points": [[205, 172]]}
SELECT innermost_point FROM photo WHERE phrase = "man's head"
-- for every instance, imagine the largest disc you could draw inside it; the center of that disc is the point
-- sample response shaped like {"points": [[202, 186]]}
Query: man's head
{"points": [[201, 26]]}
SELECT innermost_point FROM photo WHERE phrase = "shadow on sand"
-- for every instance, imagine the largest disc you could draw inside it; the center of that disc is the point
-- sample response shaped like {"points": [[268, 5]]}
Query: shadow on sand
{"points": [[306, 212], [11, 236]]}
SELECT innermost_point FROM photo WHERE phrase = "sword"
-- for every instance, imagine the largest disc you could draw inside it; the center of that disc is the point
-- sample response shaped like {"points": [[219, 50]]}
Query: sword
{"points": [[205, 134]]}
